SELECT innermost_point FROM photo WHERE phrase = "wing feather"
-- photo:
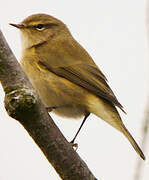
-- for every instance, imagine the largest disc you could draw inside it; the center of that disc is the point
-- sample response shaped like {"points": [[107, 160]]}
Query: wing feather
{"points": [[73, 63]]}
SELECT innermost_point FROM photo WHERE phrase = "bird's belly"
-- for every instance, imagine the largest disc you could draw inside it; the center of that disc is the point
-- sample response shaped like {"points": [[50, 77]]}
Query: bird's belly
{"points": [[71, 111], [54, 91]]}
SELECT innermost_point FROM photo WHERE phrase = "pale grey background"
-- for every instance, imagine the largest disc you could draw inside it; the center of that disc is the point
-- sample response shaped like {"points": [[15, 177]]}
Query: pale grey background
{"points": [[114, 33]]}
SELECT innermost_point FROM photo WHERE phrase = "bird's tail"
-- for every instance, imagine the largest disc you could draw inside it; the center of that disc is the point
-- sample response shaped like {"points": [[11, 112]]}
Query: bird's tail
{"points": [[132, 141], [108, 113]]}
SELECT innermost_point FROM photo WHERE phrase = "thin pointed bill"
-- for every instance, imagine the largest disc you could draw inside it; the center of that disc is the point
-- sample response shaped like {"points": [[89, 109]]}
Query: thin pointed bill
{"points": [[19, 26]]}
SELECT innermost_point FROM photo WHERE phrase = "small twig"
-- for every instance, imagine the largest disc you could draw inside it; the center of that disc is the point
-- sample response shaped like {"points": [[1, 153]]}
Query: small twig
{"points": [[145, 129]]}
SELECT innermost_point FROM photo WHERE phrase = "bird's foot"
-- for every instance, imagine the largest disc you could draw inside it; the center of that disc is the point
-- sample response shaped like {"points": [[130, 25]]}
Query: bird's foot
{"points": [[74, 145], [49, 109]]}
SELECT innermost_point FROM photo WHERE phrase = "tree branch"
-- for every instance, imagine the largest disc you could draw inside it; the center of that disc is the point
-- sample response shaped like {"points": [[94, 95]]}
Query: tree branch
{"points": [[24, 105]]}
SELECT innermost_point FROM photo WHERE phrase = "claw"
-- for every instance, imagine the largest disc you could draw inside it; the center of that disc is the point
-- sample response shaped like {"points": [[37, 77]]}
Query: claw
{"points": [[74, 145], [49, 109]]}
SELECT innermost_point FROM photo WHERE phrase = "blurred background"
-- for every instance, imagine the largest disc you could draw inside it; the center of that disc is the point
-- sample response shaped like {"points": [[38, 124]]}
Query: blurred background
{"points": [[115, 34]]}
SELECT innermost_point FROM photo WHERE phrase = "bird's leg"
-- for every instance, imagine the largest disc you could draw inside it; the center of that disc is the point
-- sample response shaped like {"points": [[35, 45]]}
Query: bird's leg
{"points": [[72, 142], [49, 109]]}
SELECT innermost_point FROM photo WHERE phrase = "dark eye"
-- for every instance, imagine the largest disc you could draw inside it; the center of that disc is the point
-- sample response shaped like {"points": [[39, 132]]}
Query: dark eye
{"points": [[40, 27]]}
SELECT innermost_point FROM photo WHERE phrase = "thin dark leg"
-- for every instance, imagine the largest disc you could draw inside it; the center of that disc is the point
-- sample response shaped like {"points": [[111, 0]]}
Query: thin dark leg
{"points": [[86, 116]]}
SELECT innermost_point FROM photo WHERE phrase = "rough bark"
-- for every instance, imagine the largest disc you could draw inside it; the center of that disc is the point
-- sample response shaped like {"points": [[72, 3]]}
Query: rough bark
{"points": [[24, 105]]}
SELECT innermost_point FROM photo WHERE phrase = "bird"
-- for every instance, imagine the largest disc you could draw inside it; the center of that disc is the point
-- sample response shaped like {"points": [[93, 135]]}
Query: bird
{"points": [[65, 76]]}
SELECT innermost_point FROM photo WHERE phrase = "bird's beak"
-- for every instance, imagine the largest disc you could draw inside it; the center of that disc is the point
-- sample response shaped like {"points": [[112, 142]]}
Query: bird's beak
{"points": [[19, 26]]}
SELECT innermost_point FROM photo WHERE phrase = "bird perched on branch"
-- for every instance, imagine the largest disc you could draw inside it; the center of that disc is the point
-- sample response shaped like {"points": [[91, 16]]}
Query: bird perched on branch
{"points": [[65, 76]]}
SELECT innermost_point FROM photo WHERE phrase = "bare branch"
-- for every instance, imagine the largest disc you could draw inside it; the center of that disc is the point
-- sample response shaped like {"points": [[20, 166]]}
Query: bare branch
{"points": [[145, 124], [145, 130], [23, 104]]}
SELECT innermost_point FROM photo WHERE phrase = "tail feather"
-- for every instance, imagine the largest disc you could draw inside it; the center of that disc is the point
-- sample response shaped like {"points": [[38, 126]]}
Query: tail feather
{"points": [[107, 111], [132, 141]]}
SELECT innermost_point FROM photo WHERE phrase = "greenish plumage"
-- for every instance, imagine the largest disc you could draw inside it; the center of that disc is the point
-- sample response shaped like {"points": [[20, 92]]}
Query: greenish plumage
{"points": [[64, 74]]}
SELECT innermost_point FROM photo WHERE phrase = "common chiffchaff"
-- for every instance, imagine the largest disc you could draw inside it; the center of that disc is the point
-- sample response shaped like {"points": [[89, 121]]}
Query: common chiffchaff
{"points": [[64, 74]]}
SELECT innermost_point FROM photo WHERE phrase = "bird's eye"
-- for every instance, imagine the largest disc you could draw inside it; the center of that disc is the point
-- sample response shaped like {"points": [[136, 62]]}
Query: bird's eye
{"points": [[40, 27]]}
